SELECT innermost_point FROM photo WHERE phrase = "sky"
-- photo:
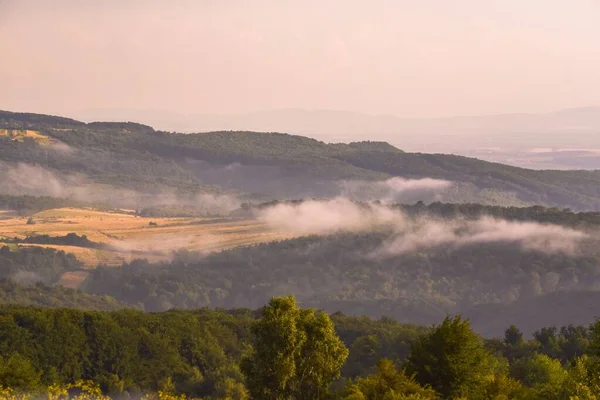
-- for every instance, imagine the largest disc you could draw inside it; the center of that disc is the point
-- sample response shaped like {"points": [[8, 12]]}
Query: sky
{"points": [[403, 57]]}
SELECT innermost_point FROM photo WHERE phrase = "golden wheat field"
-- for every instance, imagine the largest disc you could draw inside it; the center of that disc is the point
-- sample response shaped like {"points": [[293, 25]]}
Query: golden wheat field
{"points": [[132, 237], [20, 135]]}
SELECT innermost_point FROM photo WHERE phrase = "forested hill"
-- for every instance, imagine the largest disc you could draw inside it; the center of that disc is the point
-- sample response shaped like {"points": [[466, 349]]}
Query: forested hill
{"points": [[276, 165]]}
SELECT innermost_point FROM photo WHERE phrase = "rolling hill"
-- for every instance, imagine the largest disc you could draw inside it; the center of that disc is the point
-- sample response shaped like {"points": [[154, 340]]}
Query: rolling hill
{"points": [[266, 165]]}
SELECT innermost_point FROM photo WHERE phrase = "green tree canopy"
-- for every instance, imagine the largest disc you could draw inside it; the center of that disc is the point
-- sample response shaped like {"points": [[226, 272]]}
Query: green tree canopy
{"points": [[297, 353], [452, 360], [542, 373], [388, 383]]}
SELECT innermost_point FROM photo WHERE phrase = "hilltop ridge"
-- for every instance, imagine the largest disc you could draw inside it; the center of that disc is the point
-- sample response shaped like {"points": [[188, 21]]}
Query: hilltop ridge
{"points": [[275, 165]]}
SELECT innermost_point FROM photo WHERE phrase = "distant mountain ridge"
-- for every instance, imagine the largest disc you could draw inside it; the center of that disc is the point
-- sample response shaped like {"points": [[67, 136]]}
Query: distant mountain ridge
{"points": [[136, 156], [331, 125], [566, 139]]}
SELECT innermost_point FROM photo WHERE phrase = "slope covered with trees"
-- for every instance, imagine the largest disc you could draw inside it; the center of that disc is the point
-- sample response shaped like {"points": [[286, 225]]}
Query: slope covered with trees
{"points": [[279, 165], [35, 264], [40, 295], [494, 283]]}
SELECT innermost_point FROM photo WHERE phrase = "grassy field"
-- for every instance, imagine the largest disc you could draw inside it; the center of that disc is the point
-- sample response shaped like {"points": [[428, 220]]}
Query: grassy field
{"points": [[133, 237], [20, 135], [5, 214]]}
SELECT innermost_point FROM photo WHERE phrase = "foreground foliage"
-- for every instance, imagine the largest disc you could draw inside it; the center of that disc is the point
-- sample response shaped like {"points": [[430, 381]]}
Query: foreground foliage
{"points": [[284, 352]]}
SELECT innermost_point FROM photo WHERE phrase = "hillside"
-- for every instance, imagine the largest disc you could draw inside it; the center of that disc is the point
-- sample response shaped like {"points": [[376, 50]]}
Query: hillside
{"points": [[502, 266], [339, 273], [101, 156], [40, 295]]}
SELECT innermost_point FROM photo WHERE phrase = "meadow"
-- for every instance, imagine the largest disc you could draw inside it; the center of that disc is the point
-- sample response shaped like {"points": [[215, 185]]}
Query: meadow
{"points": [[130, 236], [21, 134]]}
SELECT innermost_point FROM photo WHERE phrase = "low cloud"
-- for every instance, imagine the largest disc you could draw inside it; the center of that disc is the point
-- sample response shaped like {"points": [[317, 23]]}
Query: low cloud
{"points": [[424, 234], [216, 204], [62, 148], [413, 234], [28, 179], [329, 216], [394, 190], [26, 278], [164, 245], [34, 180]]}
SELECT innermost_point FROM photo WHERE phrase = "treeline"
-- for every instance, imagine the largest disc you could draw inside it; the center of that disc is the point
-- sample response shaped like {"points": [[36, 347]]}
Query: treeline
{"points": [[550, 215], [285, 352], [40, 295], [70, 239], [26, 205], [195, 352], [179, 211]]}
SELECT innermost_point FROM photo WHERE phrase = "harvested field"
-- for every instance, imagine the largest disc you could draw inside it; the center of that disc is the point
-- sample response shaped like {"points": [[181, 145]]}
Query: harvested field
{"points": [[131, 237], [20, 135]]}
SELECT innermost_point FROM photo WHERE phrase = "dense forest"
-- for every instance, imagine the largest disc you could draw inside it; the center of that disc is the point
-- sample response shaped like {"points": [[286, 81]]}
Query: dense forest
{"points": [[285, 352], [270, 164], [331, 272], [40, 295], [328, 272], [495, 284]]}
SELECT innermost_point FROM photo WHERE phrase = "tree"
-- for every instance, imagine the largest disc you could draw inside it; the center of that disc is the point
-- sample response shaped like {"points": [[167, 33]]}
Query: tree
{"points": [[548, 341], [583, 381], [296, 353], [388, 383], [573, 342], [364, 353], [502, 387], [452, 360], [513, 336], [542, 373], [17, 372], [594, 347]]}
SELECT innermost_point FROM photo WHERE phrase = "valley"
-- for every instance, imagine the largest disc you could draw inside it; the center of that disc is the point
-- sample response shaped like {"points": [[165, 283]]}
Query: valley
{"points": [[126, 236]]}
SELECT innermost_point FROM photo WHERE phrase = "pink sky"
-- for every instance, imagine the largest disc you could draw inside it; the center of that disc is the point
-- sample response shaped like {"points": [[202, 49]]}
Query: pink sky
{"points": [[407, 58]]}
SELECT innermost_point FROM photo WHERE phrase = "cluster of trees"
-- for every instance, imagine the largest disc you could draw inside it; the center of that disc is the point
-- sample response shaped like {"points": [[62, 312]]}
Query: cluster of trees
{"points": [[30, 264], [286, 352], [40, 295], [177, 211], [26, 205], [70, 239]]}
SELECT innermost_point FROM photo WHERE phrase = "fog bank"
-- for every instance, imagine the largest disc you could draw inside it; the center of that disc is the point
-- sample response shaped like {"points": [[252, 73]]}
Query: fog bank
{"points": [[414, 234]]}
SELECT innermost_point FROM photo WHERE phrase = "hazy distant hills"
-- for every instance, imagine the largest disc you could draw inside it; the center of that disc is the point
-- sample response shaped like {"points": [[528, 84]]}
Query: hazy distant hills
{"points": [[137, 157], [332, 125], [566, 139]]}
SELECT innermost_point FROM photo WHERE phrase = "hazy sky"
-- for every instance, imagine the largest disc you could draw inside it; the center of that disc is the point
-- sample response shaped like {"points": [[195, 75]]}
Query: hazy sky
{"points": [[408, 58]]}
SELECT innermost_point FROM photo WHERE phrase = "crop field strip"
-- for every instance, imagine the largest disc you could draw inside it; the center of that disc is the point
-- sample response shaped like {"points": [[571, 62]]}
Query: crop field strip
{"points": [[132, 236], [21, 134]]}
